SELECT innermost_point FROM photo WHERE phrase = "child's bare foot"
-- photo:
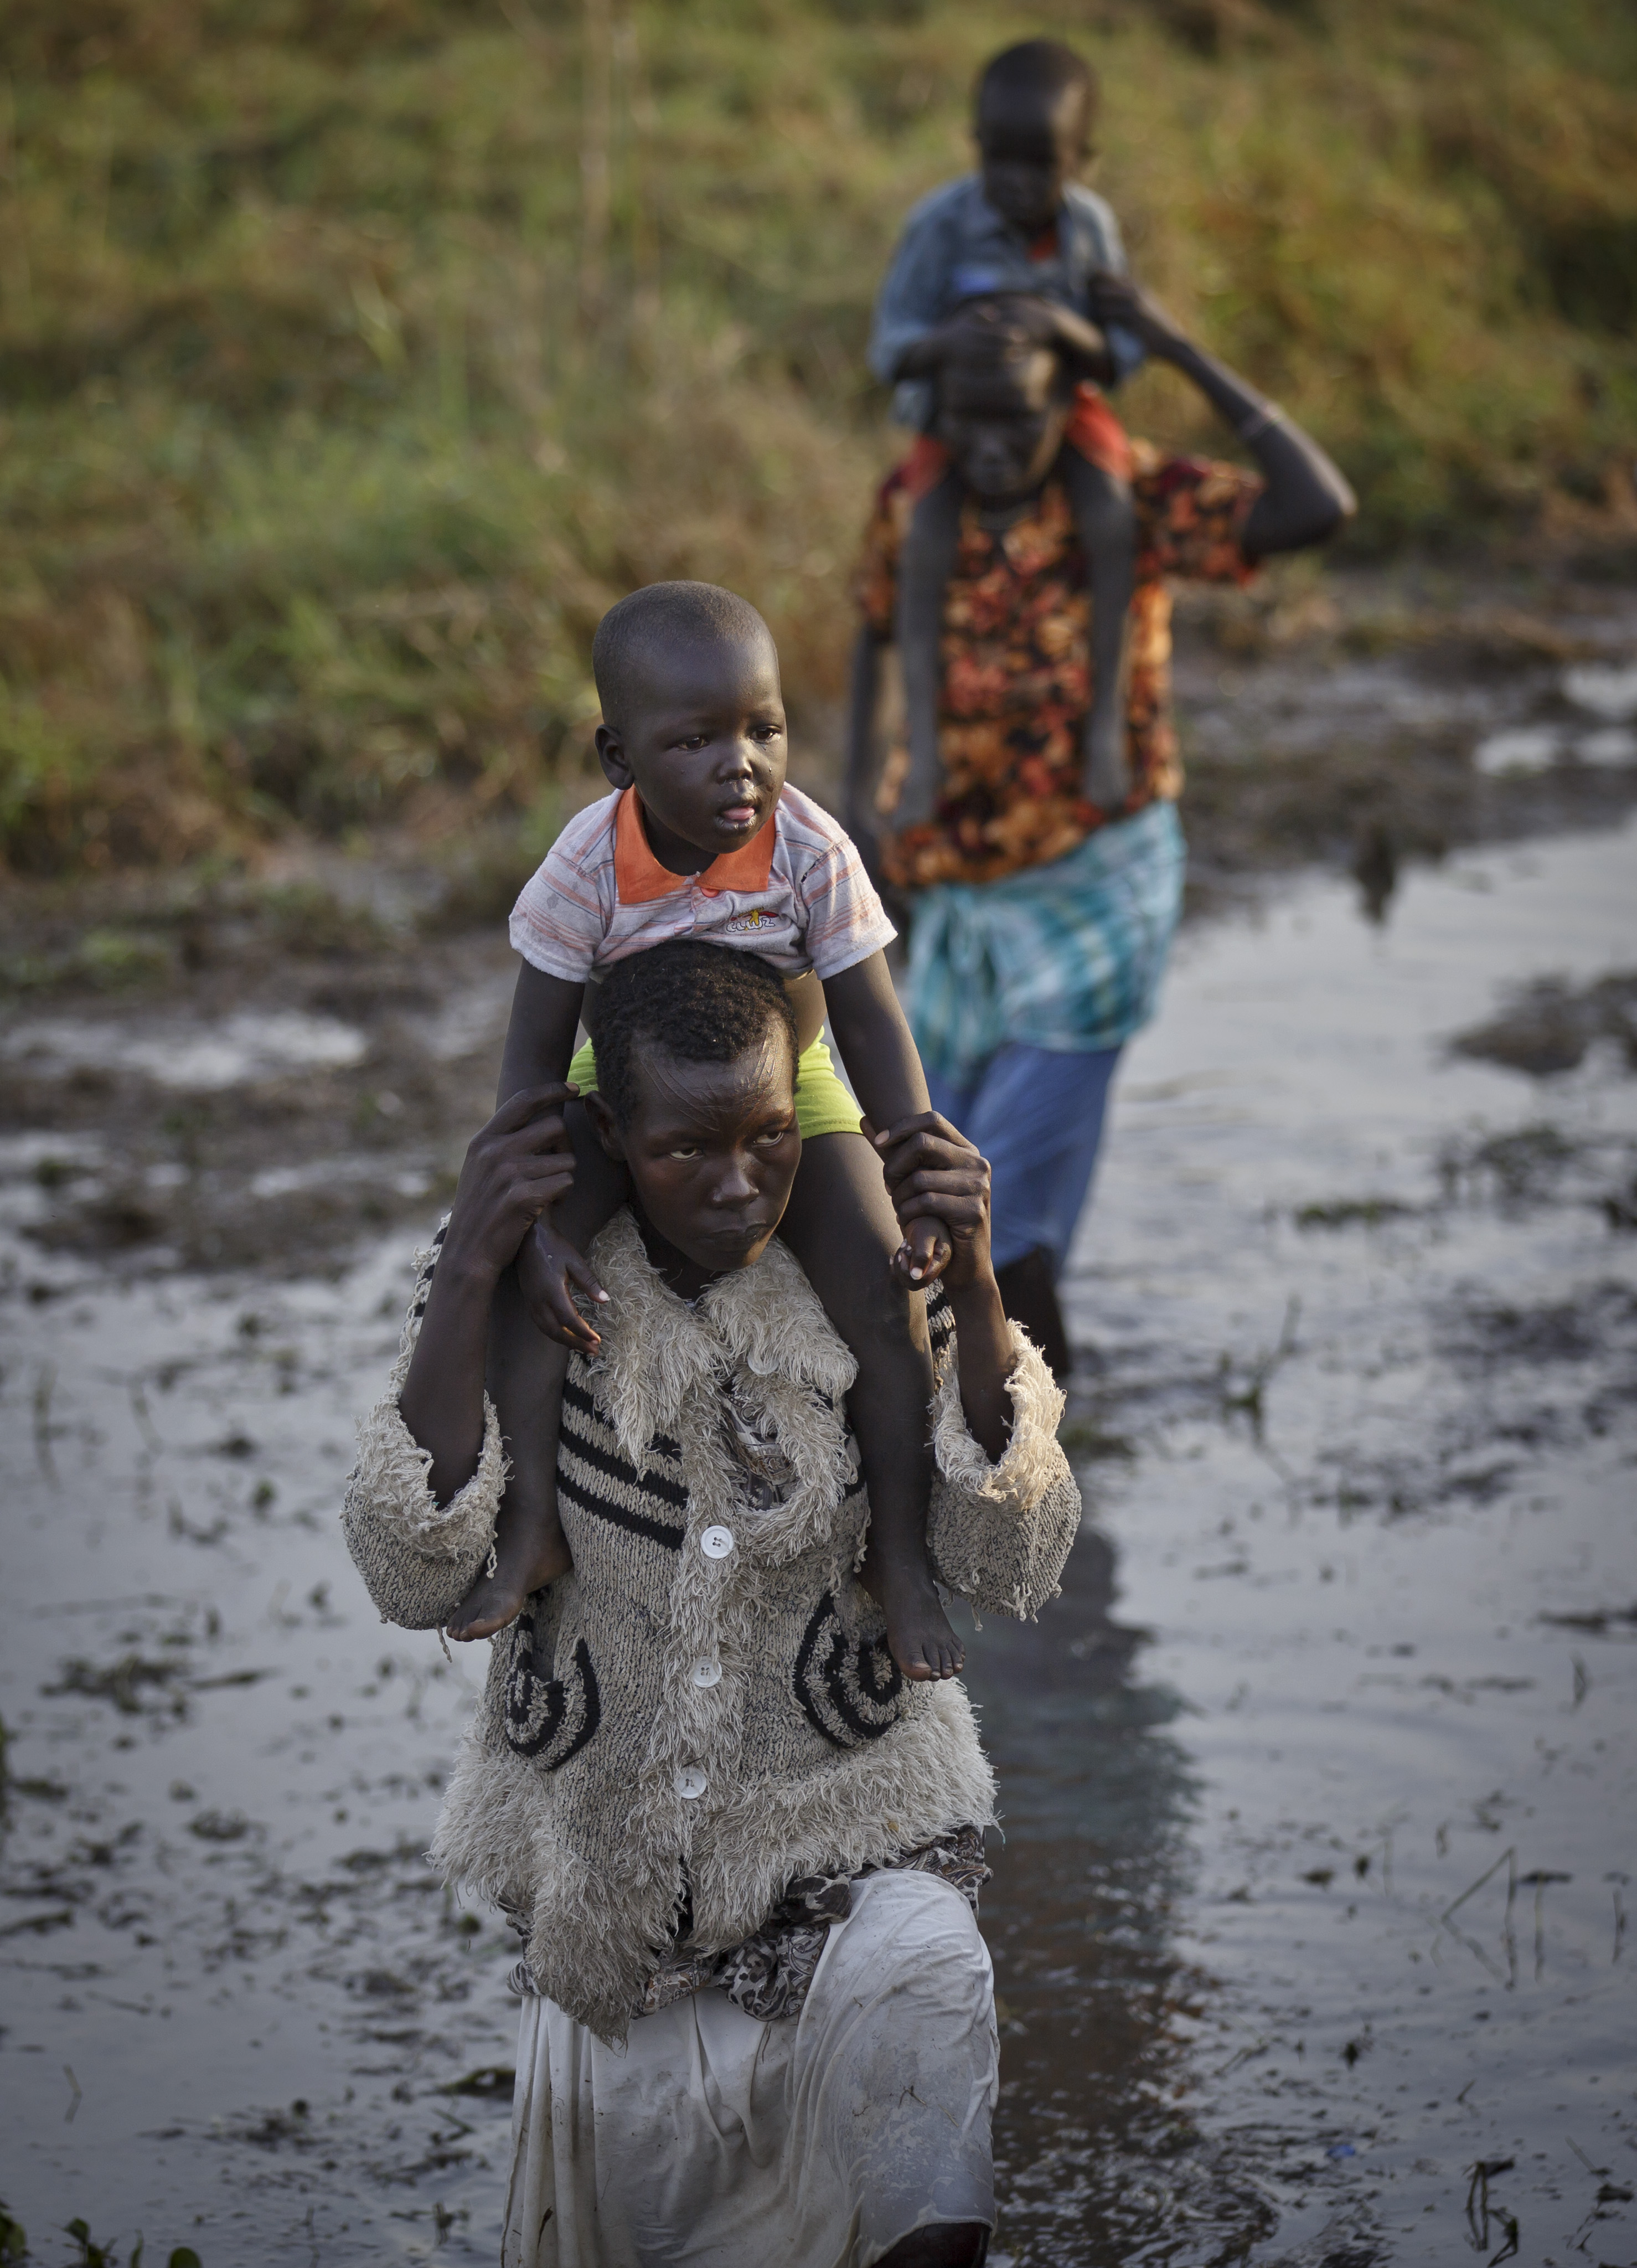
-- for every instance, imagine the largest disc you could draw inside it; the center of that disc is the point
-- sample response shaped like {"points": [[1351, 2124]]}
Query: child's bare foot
{"points": [[918, 1629], [529, 1556]]}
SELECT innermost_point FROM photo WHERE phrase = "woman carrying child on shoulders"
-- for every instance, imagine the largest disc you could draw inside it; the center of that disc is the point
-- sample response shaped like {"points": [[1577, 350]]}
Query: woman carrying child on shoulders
{"points": [[1044, 900], [742, 1849]]}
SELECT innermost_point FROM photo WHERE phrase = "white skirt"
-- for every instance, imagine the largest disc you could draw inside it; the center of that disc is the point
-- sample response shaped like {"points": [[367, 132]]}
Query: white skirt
{"points": [[818, 2141]]}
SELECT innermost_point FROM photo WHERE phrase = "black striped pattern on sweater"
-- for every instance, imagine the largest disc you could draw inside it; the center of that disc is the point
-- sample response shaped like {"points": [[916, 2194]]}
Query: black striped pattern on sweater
{"points": [[574, 1394], [595, 1476]]}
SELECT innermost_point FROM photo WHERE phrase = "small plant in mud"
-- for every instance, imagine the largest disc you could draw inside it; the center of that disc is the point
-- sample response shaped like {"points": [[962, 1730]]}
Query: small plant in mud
{"points": [[1244, 1395], [1085, 1441], [104, 2256], [1353, 1213], [1546, 1029], [122, 1681], [1484, 2217], [1519, 1168]]}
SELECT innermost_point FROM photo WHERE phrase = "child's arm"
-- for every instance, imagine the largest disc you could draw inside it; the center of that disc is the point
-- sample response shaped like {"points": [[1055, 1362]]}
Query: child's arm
{"points": [[923, 357], [1025, 316], [1019, 310], [913, 298], [1056, 325], [540, 1038], [879, 1053], [876, 1044], [1307, 498]]}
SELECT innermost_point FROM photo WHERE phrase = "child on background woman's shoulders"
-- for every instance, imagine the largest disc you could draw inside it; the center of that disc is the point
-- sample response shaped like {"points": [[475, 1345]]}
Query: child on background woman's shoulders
{"points": [[1022, 227]]}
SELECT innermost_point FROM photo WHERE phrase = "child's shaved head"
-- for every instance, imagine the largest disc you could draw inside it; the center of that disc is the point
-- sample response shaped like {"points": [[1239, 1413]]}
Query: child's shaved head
{"points": [[1036, 74], [634, 637]]}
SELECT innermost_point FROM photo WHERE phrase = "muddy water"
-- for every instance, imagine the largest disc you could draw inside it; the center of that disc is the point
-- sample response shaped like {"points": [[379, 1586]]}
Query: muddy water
{"points": [[1315, 1891], [1317, 1778]]}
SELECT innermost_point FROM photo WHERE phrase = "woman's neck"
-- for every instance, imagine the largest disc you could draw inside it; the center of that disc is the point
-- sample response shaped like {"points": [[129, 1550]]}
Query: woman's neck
{"points": [[684, 1276]]}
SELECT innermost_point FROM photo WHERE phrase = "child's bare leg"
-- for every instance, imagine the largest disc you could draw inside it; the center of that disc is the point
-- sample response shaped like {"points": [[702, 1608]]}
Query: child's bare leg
{"points": [[925, 565], [525, 1375], [1106, 523], [841, 1228]]}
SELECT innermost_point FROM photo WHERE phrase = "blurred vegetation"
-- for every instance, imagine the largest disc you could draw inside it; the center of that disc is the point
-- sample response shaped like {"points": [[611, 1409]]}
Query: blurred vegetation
{"points": [[355, 353]]}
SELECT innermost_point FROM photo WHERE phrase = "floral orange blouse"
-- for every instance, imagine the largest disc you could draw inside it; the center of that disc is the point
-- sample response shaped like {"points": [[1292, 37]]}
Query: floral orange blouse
{"points": [[1016, 664]]}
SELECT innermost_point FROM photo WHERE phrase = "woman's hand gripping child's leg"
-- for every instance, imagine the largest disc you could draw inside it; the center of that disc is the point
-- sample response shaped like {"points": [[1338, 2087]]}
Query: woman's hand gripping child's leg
{"points": [[842, 1229], [533, 1324]]}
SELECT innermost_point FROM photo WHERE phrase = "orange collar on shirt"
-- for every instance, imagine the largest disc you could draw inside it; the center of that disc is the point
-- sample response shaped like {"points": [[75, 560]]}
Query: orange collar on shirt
{"points": [[639, 878]]}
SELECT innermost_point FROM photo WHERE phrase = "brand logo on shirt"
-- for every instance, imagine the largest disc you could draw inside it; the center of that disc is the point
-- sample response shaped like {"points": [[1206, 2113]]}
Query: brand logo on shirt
{"points": [[755, 919]]}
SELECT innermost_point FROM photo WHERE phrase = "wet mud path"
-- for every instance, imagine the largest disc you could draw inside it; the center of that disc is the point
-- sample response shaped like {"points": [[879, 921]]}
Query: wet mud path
{"points": [[1318, 1778]]}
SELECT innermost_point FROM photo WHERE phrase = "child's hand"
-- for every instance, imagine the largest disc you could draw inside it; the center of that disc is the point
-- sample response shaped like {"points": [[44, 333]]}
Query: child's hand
{"points": [[548, 1269], [927, 1250], [924, 1254], [1117, 300], [938, 1181]]}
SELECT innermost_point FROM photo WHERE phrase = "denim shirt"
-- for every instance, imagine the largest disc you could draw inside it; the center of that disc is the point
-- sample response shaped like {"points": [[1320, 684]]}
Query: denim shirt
{"points": [[956, 247]]}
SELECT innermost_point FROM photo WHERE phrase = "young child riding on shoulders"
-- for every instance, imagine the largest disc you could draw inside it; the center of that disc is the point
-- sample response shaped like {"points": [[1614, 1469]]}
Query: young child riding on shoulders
{"points": [[702, 839], [1022, 228]]}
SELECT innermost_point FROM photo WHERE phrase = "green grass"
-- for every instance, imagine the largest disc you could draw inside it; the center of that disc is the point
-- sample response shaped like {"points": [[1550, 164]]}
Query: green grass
{"points": [[328, 427]]}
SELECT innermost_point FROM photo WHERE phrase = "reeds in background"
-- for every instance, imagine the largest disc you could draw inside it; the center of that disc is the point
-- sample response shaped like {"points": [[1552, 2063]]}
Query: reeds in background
{"points": [[354, 356]]}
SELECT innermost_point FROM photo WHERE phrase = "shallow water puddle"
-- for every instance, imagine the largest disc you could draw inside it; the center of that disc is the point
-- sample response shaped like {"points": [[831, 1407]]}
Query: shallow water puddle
{"points": [[237, 1999], [1315, 1895], [1318, 1778], [190, 1055]]}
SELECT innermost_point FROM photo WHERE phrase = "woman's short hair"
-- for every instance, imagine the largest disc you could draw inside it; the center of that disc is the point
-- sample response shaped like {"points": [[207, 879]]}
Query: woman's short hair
{"points": [[694, 1002]]}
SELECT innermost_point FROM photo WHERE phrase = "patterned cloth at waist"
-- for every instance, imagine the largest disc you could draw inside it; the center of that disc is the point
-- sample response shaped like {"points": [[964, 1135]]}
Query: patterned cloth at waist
{"points": [[769, 1974], [1066, 957]]}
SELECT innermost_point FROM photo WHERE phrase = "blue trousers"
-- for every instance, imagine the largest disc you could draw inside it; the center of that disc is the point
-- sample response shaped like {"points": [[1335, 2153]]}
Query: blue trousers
{"points": [[1036, 1116]]}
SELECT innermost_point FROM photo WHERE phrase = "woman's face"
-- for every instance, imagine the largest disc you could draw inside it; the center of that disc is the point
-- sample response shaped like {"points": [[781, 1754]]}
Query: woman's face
{"points": [[712, 1150], [1003, 423]]}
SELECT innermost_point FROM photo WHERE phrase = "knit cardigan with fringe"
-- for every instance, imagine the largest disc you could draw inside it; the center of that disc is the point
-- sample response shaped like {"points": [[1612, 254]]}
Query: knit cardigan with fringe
{"points": [[704, 1707]]}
